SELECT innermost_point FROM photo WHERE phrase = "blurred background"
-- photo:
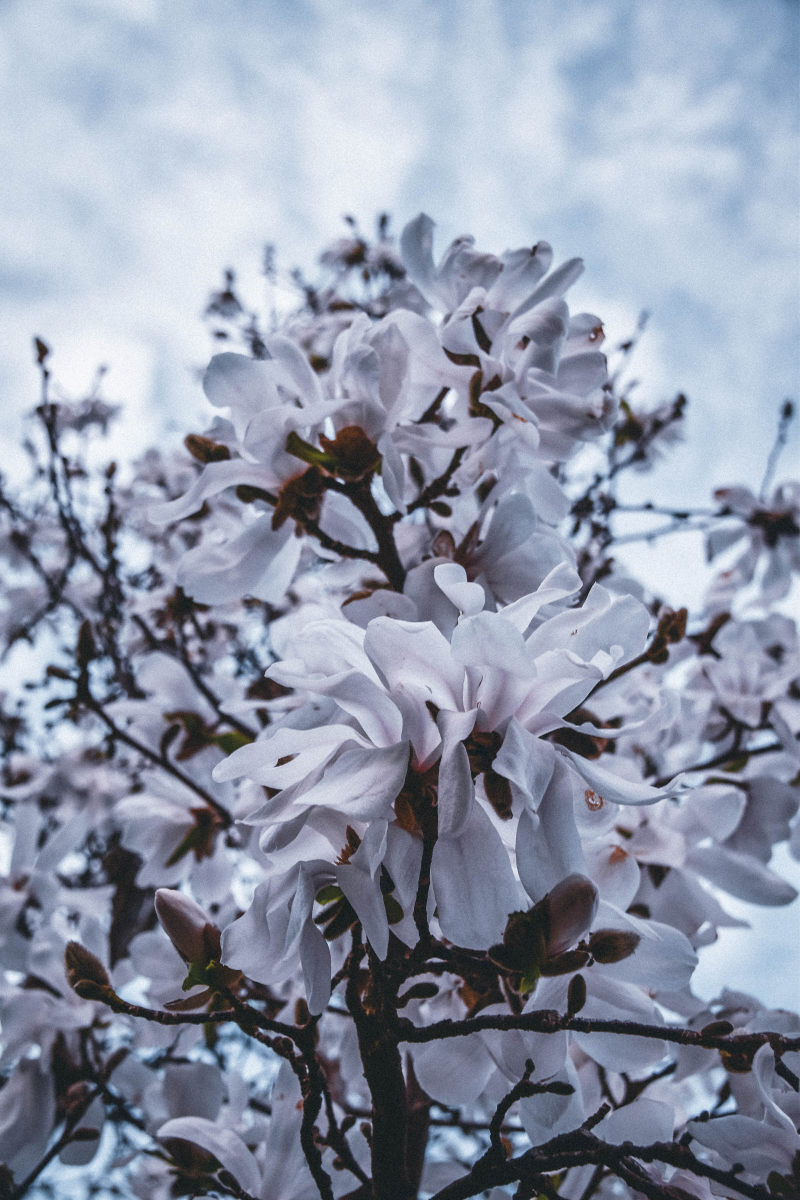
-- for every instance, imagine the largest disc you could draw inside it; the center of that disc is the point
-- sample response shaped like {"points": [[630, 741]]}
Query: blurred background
{"points": [[148, 144]]}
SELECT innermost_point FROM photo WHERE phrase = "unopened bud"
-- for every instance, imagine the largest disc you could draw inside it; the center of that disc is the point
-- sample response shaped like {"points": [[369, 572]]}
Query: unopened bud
{"points": [[86, 975], [571, 907], [194, 936], [576, 995], [612, 945]]}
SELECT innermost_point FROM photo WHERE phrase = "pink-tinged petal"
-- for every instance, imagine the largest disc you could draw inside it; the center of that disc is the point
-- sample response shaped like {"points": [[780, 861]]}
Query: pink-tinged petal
{"points": [[740, 875], [511, 1048], [361, 783], [184, 922], [660, 717], [511, 525], [255, 945], [473, 884], [642, 1122], [718, 809], [213, 479], [416, 439], [226, 1146], [27, 1116], [260, 562], [737, 498], [722, 537], [380, 603]]}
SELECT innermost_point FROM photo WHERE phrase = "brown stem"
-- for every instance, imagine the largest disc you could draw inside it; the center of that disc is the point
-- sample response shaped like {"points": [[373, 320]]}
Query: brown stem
{"points": [[740, 1045], [383, 1069], [160, 760], [720, 761], [382, 526]]}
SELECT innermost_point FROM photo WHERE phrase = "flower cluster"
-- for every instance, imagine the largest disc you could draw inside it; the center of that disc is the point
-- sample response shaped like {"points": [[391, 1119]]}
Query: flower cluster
{"points": [[370, 822]]}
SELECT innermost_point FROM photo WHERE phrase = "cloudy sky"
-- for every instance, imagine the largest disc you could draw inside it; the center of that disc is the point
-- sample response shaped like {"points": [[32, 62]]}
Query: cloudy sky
{"points": [[146, 144]]}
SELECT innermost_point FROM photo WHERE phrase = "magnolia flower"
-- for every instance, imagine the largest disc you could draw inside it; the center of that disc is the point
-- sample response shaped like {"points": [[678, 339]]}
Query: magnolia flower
{"points": [[766, 533], [507, 316], [402, 700]]}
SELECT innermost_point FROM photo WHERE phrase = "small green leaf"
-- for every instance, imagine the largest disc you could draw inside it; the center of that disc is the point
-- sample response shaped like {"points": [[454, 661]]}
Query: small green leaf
{"points": [[232, 740], [308, 453]]}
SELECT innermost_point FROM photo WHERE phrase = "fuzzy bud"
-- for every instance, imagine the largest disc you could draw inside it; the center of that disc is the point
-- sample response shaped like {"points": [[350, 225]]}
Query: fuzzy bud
{"points": [[187, 926], [612, 945], [571, 907], [86, 975]]}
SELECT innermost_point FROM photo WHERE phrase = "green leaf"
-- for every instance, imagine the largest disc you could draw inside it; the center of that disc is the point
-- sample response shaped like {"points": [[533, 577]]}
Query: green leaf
{"points": [[233, 740]]}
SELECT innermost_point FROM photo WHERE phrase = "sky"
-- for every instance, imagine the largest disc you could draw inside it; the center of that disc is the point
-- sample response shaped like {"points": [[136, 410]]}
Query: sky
{"points": [[147, 144]]}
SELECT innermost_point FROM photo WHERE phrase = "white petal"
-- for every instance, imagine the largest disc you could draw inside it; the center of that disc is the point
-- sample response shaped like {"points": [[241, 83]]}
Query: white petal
{"points": [[456, 796], [454, 1071], [469, 598], [365, 896], [741, 875], [361, 783], [473, 884], [642, 1122], [226, 1146], [260, 562], [214, 478]]}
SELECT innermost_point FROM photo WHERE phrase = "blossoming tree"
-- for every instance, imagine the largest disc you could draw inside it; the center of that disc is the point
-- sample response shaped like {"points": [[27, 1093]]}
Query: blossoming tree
{"points": [[364, 817]]}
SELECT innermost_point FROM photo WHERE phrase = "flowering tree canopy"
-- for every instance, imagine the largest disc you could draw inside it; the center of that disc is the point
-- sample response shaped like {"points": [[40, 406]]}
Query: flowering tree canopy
{"points": [[364, 817]]}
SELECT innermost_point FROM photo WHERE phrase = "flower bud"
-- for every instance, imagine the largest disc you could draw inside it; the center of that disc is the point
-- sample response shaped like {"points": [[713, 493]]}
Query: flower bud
{"points": [[576, 995], [612, 945], [86, 975], [571, 907], [187, 926]]}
